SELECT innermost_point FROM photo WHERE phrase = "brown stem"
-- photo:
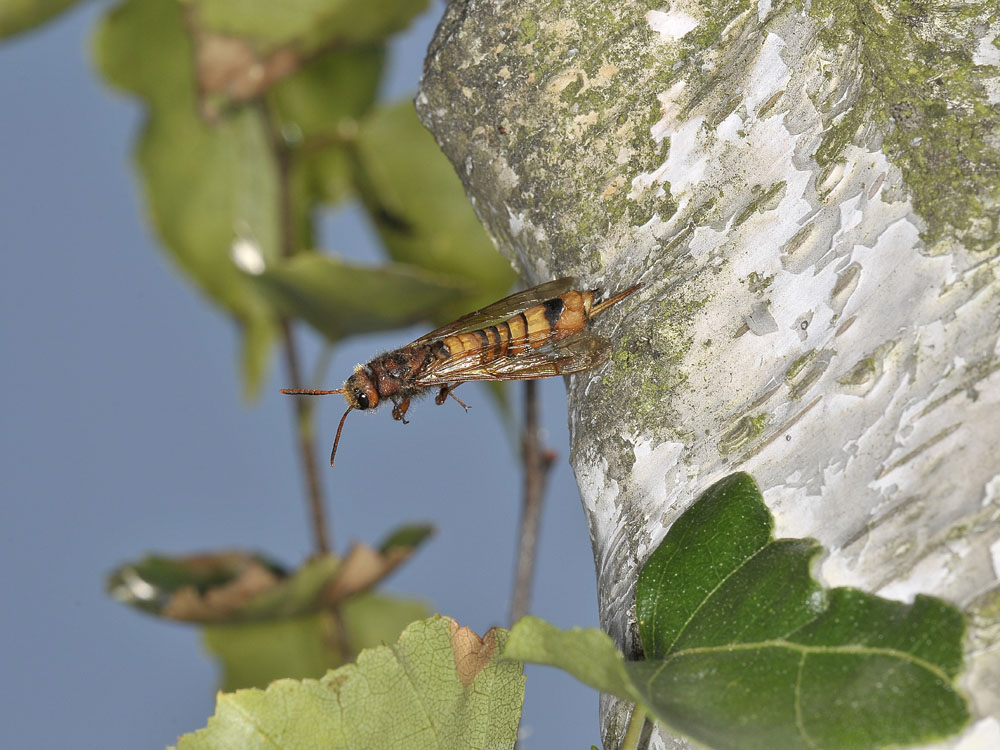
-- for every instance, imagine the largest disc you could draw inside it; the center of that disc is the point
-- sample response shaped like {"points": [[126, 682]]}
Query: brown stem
{"points": [[537, 462], [307, 446], [303, 409]]}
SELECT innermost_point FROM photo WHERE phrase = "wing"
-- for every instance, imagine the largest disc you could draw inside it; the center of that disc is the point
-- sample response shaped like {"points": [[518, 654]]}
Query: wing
{"points": [[502, 310], [575, 353]]}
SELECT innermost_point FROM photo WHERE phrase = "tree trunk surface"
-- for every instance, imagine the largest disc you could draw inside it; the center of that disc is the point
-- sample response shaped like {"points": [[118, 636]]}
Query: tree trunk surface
{"points": [[810, 192]]}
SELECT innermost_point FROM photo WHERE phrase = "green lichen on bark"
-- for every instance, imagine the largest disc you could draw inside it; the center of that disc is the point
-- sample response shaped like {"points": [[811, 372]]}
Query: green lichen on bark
{"points": [[920, 94], [551, 110], [761, 200], [648, 366], [572, 115]]}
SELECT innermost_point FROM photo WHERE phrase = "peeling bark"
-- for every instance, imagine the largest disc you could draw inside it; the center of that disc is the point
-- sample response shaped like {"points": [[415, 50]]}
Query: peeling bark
{"points": [[811, 192]]}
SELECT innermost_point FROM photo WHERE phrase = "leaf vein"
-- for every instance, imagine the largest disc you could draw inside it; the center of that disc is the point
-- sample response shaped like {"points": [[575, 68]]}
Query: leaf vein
{"points": [[807, 649], [709, 594]]}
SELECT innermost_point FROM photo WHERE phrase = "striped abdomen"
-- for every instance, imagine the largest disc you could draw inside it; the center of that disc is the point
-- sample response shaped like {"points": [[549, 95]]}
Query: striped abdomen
{"points": [[550, 321]]}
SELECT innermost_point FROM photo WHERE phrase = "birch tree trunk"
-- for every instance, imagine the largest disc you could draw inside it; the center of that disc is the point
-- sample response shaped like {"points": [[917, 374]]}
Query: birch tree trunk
{"points": [[811, 193]]}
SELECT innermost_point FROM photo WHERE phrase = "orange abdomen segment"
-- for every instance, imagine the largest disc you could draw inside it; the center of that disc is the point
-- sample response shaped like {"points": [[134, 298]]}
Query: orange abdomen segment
{"points": [[550, 321]]}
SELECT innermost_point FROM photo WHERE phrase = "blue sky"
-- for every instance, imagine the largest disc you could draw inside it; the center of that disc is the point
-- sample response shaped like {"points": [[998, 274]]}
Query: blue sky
{"points": [[123, 432]]}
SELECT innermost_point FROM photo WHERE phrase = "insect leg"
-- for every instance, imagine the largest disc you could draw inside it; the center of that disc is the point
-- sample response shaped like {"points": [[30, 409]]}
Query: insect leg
{"points": [[399, 410], [446, 390]]}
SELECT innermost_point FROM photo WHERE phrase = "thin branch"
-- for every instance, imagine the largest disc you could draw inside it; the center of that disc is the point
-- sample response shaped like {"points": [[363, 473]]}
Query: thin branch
{"points": [[303, 409], [307, 446], [537, 462]]}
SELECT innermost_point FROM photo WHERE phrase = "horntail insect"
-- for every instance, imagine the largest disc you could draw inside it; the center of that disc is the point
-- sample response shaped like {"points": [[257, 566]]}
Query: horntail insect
{"points": [[538, 333]]}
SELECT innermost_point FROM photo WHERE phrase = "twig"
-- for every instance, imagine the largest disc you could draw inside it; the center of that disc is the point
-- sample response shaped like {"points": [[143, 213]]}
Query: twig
{"points": [[537, 462], [307, 446], [303, 409], [634, 731]]}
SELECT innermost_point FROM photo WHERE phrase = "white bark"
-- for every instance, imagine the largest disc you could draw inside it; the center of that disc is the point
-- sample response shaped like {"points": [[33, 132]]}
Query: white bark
{"points": [[821, 311]]}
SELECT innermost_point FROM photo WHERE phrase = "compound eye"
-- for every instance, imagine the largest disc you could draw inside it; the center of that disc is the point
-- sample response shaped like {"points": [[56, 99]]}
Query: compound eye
{"points": [[361, 398]]}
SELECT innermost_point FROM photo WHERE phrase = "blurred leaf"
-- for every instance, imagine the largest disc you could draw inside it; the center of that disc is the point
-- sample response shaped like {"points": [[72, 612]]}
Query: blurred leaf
{"points": [[326, 98], [406, 538], [208, 185], [255, 353], [438, 686], [232, 70], [321, 174], [255, 654], [237, 587], [364, 566], [152, 582], [17, 16], [340, 299], [318, 109], [420, 208], [220, 587], [375, 619], [744, 650], [300, 592], [306, 25]]}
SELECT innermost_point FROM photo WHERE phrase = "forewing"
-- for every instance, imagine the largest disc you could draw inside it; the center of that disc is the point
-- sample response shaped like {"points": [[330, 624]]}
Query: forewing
{"points": [[575, 353], [502, 310]]}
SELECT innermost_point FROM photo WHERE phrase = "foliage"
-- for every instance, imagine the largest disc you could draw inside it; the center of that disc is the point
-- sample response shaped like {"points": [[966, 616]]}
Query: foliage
{"points": [[255, 121], [258, 117], [263, 622], [744, 649], [18, 16], [439, 686]]}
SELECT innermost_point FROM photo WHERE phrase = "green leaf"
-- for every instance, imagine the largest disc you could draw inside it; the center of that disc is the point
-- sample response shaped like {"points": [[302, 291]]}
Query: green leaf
{"points": [[208, 184], [255, 654], [325, 98], [152, 582], [306, 24], [341, 299], [438, 686], [221, 587], [740, 576], [420, 208], [744, 650], [406, 538], [17, 16], [588, 654], [300, 592], [377, 619], [317, 110], [239, 587]]}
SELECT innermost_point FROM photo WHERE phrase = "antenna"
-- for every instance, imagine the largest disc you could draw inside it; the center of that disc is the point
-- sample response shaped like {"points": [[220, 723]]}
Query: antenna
{"points": [[336, 440], [308, 392], [311, 392]]}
